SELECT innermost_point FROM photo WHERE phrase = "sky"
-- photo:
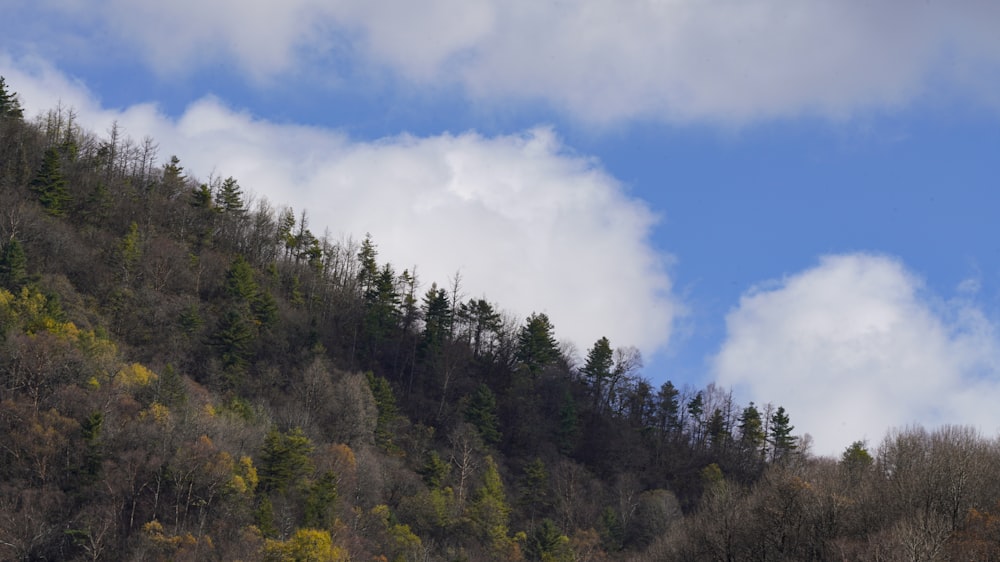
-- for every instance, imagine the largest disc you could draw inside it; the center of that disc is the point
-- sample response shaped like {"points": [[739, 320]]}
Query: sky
{"points": [[794, 200]]}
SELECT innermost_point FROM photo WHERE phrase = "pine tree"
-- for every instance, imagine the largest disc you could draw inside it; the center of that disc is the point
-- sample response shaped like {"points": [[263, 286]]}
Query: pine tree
{"points": [[10, 107], [782, 441], [229, 199], [50, 185], [285, 459], [13, 266], [751, 428], [597, 369], [536, 344], [482, 413]]}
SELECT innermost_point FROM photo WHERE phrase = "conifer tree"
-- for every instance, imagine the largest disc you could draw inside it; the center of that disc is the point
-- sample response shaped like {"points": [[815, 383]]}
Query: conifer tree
{"points": [[13, 266], [10, 107], [50, 185], [597, 370], [229, 199], [782, 441], [536, 344], [482, 413]]}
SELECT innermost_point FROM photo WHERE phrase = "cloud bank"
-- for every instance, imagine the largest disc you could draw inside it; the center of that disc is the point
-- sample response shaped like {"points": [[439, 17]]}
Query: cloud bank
{"points": [[526, 222], [855, 346], [730, 61]]}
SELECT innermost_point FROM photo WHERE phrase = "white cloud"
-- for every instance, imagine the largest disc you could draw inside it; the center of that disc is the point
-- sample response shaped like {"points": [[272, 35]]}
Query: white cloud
{"points": [[855, 346], [530, 225], [730, 61]]}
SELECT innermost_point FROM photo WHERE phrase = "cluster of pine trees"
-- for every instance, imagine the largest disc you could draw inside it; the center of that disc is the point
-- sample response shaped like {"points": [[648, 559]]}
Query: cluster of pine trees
{"points": [[189, 373]]}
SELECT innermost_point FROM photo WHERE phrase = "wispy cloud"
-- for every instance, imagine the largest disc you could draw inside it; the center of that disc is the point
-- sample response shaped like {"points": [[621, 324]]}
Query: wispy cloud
{"points": [[526, 222], [729, 62], [855, 346]]}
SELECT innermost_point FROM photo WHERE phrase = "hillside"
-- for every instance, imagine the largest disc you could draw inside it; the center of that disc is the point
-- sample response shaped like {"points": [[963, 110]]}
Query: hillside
{"points": [[187, 372]]}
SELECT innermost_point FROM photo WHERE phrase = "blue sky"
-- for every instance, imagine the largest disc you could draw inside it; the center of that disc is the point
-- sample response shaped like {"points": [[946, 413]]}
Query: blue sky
{"points": [[795, 201]]}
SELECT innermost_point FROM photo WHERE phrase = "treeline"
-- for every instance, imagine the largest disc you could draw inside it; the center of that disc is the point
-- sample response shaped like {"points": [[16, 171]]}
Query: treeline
{"points": [[189, 373]]}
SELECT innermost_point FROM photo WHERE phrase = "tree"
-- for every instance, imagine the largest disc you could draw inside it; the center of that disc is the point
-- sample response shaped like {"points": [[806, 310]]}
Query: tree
{"points": [[385, 401], [547, 544], [782, 441], [668, 409], [482, 413], [50, 185], [10, 106], [285, 459], [751, 428], [489, 512], [597, 370], [536, 344], [229, 199], [13, 266]]}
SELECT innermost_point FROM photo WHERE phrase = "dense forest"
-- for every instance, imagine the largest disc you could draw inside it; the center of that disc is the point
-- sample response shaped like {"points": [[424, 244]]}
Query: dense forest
{"points": [[187, 372]]}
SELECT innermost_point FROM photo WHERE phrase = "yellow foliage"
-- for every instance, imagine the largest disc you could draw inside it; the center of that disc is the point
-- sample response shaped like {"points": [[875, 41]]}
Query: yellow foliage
{"points": [[173, 545], [135, 374], [210, 410], [306, 545], [245, 477], [157, 411]]}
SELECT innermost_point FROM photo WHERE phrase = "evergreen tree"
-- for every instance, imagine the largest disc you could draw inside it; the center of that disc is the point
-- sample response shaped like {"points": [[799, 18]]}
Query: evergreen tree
{"points": [[285, 459], [368, 270], [597, 369], [320, 500], [229, 199], [669, 409], [751, 428], [482, 413], [547, 544], [489, 512], [536, 344], [718, 433], [13, 266], [173, 177], [50, 185], [385, 401], [437, 319], [234, 339], [10, 107], [782, 441]]}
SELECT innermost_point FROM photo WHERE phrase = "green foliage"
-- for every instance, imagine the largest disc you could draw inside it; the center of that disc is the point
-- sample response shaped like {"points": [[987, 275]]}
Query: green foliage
{"points": [[50, 185], [547, 544], [782, 440], [320, 500], [569, 424], [481, 412], [385, 401], [234, 338], [201, 197], [229, 199], [536, 344], [240, 282], [10, 106], [129, 253], [438, 319], [489, 512], [751, 427], [13, 266], [612, 530], [597, 369], [435, 470], [285, 460], [534, 493]]}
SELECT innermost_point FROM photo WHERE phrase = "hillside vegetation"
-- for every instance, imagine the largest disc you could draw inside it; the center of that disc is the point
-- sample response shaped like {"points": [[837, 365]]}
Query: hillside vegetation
{"points": [[187, 372]]}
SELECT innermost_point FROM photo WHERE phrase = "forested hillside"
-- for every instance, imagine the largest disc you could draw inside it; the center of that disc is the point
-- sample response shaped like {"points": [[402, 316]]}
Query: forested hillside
{"points": [[187, 372]]}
